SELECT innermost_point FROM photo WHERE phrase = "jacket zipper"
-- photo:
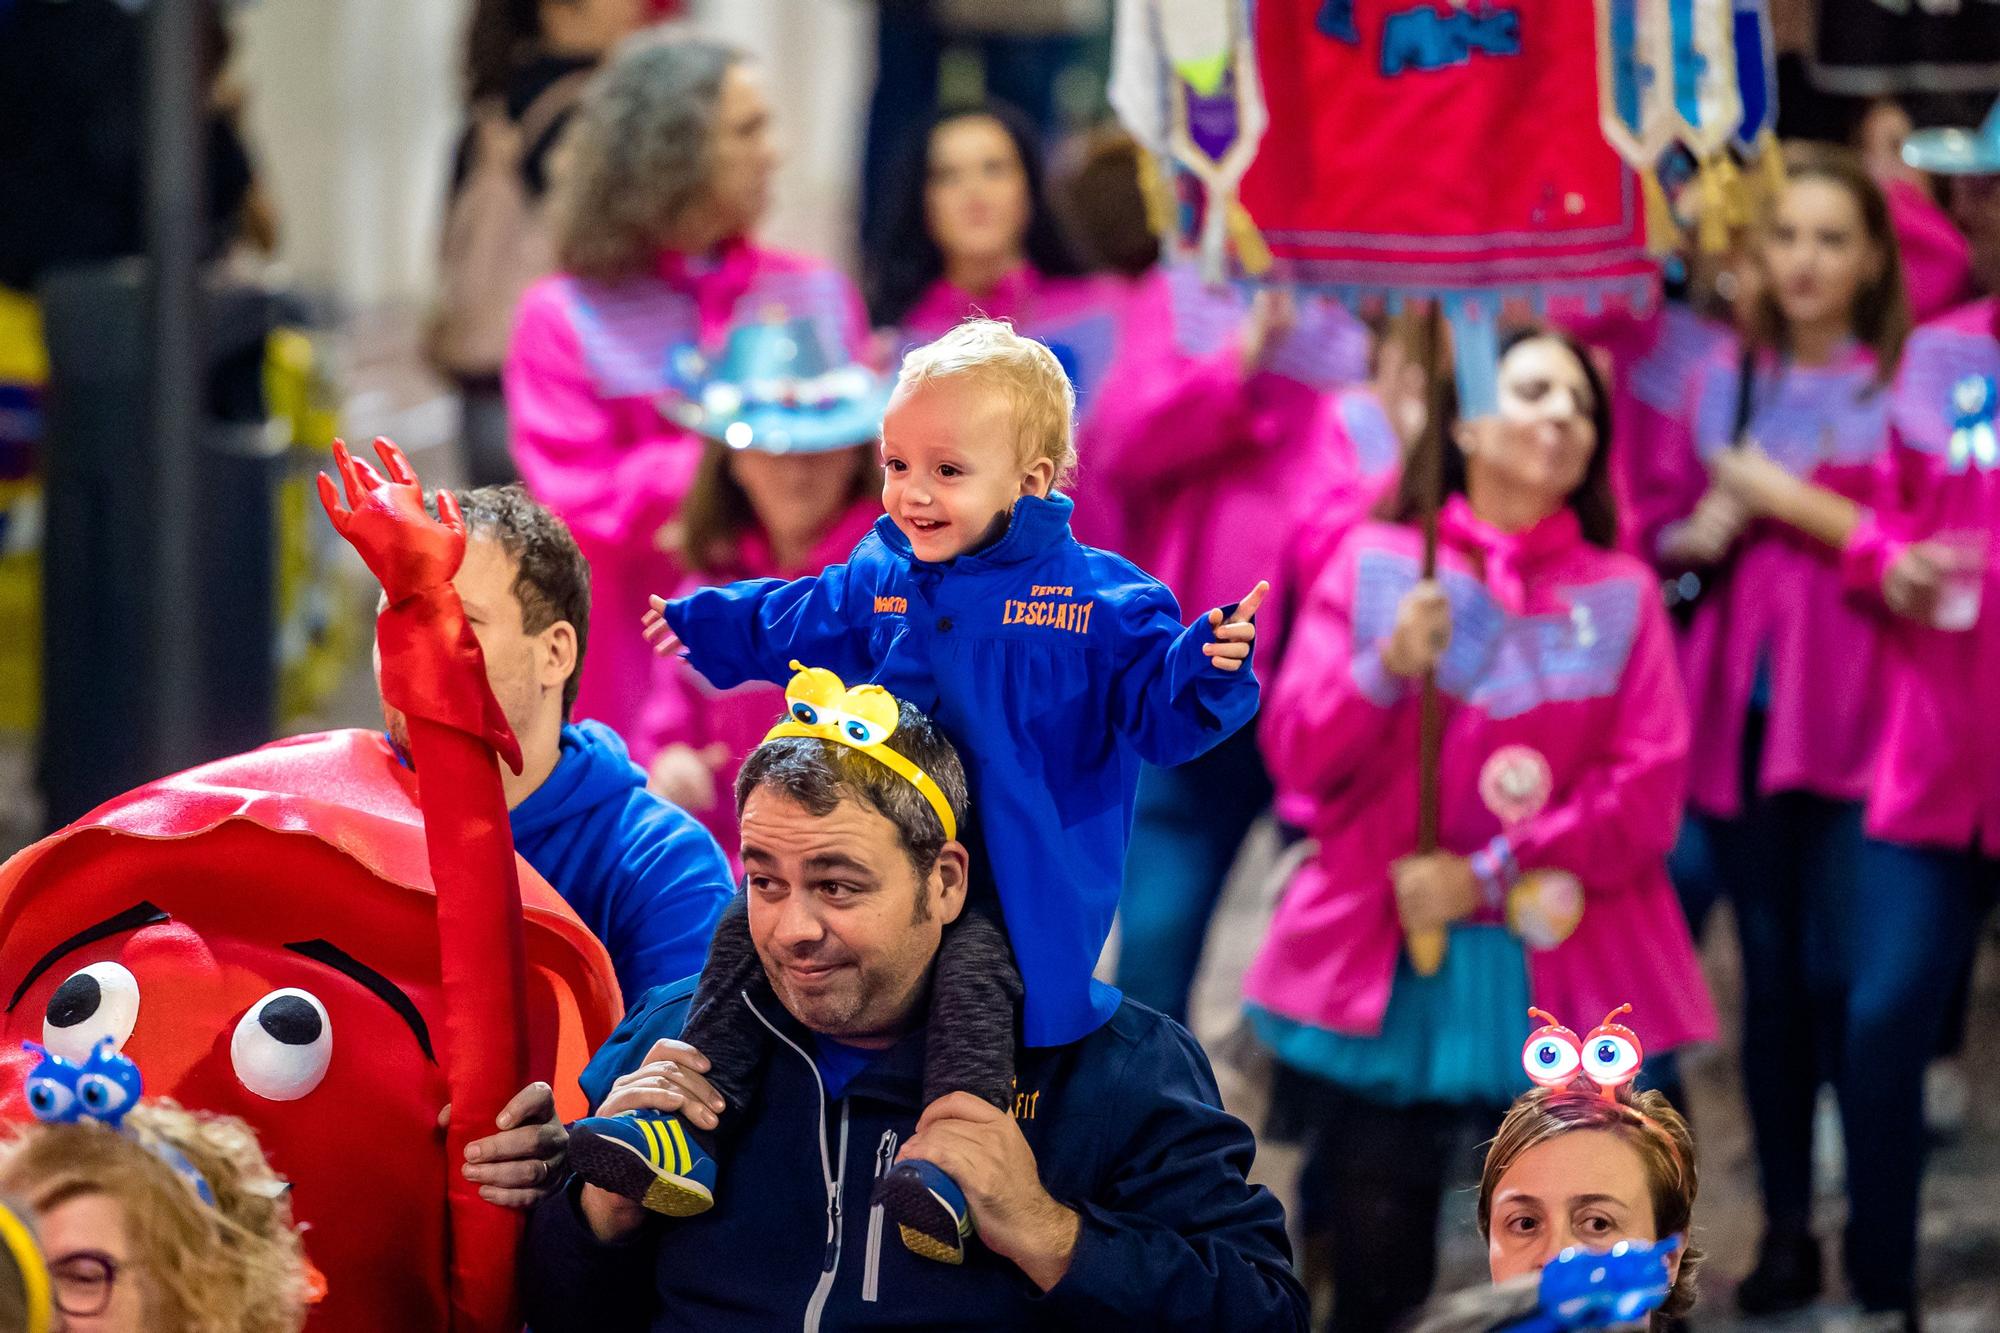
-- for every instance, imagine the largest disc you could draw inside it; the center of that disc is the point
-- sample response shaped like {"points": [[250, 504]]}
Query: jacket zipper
{"points": [[834, 1178], [871, 1268]]}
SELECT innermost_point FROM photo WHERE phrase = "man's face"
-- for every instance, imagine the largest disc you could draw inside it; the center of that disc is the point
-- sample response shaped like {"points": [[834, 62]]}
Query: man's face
{"points": [[844, 927], [519, 665]]}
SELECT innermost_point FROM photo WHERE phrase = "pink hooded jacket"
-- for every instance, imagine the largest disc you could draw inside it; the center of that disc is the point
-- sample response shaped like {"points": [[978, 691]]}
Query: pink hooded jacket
{"points": [[1561, 661], [1656, 361], [1936, 257], [1212, 469], [585, 372], [1938, 782], [1360, 434], [682, 708], [1780, 605]]}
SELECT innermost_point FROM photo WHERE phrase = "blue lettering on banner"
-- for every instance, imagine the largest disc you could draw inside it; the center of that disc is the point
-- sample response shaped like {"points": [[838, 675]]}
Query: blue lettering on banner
{"points": [[1336, 20], [1424, 39]]}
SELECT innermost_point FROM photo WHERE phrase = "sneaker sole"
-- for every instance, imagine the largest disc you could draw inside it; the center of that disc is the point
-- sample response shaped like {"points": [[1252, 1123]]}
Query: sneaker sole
{"points": [[927, 1226], [613, 1165]]}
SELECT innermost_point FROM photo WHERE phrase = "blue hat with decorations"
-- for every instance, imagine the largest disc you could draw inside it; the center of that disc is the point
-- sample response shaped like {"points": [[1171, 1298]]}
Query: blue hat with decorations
{"points": [[777, 389], [1957, 152]]}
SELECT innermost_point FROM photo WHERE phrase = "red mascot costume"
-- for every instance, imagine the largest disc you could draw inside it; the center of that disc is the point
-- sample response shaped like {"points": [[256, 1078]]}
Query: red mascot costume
{"points": [[274, 936]]}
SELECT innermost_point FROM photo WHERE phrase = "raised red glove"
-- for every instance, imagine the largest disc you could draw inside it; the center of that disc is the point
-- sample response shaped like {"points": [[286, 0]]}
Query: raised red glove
{"points": [[442, 676]]}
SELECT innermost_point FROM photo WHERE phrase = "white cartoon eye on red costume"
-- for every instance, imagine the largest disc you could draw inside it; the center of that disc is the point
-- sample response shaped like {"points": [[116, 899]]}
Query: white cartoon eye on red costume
{"points": [[1609, 1058]]}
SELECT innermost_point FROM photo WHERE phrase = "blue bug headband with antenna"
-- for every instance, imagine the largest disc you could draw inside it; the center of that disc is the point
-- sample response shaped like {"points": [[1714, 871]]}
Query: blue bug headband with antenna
{"points": [[101, 1090]]}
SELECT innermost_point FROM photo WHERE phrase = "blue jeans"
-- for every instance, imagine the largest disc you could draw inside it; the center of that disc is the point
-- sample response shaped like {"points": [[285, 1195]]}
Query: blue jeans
{"points": [[1852, 950], [1691, 866], [1189, 823], [1787, 864], [1902, 941]]}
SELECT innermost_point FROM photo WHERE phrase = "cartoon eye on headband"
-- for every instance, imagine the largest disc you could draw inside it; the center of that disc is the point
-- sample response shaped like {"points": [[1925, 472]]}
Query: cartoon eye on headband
{"points": [[1612, 1053], [1609, 1057], [102, 1088], [1552, 1054], [863, 715]]}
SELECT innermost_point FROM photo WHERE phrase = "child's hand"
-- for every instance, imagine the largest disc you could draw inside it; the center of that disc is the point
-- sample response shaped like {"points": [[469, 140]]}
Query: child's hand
{"points": [[1234, 636], [654, 624]]}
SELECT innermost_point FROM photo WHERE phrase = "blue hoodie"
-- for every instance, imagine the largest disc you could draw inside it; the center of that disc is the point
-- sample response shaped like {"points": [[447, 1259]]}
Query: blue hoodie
{"points": [[644, 875], [1055, 667]]}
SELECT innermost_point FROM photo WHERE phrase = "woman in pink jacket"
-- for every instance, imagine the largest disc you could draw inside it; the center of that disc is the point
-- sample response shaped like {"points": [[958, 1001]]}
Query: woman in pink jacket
{"points": [[1901, 936], [1784, 668], [1564, 752], [668, 171]]}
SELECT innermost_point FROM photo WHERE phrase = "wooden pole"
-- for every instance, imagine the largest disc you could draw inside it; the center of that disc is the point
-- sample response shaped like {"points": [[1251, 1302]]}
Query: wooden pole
{"points": [[1427, 946]]}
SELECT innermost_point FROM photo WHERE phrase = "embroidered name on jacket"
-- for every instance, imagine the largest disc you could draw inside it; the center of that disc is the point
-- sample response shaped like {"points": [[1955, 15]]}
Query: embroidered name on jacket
{"points": [[1049, 607], [1506, 665], [892, 606]]}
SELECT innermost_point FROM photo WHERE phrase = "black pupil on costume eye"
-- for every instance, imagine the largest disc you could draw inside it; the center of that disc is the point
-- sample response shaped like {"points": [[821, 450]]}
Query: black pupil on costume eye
{"points": [[74, 1001], [1548, 1055], [857, 731], [1606, 1052], [805, 713], [40, 1097], [93, 1093], [291, 1020]]}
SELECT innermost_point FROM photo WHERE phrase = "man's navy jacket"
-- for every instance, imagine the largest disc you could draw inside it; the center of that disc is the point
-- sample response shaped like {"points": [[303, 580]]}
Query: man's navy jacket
{"points": [[1126, 1127]]}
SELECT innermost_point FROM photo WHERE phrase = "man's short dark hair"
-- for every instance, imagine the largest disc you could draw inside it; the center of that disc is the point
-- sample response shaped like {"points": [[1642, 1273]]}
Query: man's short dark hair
{"points": [[820, 774], [552, 579]]}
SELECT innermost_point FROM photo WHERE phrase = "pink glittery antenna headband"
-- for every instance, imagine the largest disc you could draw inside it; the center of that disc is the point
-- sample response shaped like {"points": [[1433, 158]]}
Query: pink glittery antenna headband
{"points": [[1596, 1066]]}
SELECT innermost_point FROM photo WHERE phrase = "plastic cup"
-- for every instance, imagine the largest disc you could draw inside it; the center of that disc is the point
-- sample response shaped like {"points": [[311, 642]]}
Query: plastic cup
{"points": [[1961, 556]]}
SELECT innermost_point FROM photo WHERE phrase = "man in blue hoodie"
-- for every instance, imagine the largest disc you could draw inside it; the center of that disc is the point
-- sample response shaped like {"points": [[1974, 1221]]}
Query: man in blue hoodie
{"points": [[644, 875], [1110, 1194]]}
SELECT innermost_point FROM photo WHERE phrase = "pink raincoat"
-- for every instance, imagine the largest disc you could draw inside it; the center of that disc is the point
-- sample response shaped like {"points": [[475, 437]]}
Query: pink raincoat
{"points": [[1361, 433], [1656, 361], [1212, 470], [585, 372], [1937, 259], [1938, 783], [684, 709], [1561, 663], [1779, 606]]}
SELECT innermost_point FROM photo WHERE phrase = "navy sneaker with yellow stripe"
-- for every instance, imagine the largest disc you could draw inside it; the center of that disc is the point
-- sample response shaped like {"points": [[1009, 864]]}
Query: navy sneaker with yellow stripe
{"points": [[649, 1157], [928, 1208]]}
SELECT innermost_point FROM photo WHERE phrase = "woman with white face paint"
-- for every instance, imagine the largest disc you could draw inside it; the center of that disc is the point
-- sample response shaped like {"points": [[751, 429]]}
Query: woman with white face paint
{"points": [[1564, 740]]}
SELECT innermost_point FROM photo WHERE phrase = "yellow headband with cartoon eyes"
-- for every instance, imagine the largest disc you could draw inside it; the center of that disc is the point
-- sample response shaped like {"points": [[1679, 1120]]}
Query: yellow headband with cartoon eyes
{"points": [[821, 707]]}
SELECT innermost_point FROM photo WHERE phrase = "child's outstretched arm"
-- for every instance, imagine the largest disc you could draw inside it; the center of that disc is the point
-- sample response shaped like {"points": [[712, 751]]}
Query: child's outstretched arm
{"points": [[1184, 689], [752, 630]]}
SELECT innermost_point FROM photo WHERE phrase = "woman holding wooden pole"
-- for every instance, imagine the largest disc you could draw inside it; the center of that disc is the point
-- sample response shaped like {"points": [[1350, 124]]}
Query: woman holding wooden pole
{"points": [[1560, 744]]}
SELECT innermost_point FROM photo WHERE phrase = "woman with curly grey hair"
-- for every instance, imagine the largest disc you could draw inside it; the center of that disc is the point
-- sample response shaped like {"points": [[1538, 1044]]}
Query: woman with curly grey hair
{"points": [[666, 174]]}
